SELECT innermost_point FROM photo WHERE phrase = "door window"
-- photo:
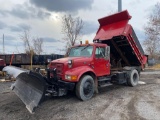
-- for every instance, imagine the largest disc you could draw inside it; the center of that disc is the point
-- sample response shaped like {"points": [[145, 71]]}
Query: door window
{"points": [[100, 52]]}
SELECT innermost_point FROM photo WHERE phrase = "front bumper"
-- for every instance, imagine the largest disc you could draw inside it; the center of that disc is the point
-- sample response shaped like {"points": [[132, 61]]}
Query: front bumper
{"points": [[56, 85], [66, 85], [60, 88]]}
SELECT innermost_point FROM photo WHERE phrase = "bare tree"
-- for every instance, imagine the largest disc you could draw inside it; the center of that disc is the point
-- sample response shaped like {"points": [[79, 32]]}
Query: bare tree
{"points": [[37, 43], [33, 46], [152, 31], [72, 29], [25, 37]]}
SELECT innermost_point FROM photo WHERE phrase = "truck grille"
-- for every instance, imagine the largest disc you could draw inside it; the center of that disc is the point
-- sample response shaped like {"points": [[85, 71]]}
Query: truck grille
{"points": [[58, 66]]}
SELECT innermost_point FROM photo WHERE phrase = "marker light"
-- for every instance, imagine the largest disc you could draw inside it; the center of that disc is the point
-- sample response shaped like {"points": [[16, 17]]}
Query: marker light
{"points": [[86, 42], [71, 77]]}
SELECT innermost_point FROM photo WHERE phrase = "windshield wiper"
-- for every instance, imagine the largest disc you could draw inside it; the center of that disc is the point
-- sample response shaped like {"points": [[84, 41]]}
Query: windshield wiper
{"points": [[85, 47]]}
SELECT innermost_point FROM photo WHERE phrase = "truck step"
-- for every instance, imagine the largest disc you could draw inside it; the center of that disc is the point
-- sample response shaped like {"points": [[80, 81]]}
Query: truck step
{"points": [[100, 79]]}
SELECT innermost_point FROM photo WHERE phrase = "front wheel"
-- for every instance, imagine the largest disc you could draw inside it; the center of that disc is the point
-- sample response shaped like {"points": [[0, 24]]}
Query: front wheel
{"points": [[133, 78], [85, 88]]}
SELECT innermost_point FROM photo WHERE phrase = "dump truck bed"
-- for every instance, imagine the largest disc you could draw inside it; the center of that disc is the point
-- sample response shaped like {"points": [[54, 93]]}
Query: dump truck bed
{"points": [[125, 48]]}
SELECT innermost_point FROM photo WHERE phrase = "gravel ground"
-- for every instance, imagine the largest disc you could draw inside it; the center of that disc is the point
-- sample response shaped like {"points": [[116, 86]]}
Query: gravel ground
{"points": [[114, 102]]}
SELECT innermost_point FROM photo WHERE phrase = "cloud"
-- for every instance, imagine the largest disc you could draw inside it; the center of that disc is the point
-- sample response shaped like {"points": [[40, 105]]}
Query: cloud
{"points": [[20, 11], [14, 44], [2, 25], [90, 27], [26, 11], [3, 13], [15, 29], [134, 3], [50, 40], [9, 38], [24, 26], [20, 27], [12, 41], [140, 34], [63, 5]]}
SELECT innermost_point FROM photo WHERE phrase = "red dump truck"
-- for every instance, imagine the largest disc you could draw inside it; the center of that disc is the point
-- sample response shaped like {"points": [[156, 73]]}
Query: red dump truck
{"points": [[114, 57]]}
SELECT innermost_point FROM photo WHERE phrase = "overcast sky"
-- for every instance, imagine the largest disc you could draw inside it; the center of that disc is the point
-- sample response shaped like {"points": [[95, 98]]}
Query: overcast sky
{"points": [[42, 19]]}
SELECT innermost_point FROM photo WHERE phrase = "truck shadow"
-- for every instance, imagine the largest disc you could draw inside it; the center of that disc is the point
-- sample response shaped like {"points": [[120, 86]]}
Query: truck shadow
{"points": [[111, 88], [71, 94]]}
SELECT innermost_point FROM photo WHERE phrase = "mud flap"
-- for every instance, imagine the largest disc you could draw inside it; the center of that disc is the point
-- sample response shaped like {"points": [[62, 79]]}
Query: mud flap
{"points": [[30, 87]]}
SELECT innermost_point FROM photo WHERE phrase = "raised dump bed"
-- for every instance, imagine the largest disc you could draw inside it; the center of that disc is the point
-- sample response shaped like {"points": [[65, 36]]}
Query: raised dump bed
{"points": [[125, 48]]}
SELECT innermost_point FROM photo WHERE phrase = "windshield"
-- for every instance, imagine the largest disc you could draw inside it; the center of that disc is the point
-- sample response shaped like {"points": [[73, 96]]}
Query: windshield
{"points": [[81, 51]]}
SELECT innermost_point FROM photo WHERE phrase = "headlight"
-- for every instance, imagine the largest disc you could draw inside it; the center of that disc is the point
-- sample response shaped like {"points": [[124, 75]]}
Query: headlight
{"points": [[71, 77], [67, 77], [70, 63]]}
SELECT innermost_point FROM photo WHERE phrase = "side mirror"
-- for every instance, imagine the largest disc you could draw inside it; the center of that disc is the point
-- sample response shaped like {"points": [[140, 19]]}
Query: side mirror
{"points": [[107, 53]]}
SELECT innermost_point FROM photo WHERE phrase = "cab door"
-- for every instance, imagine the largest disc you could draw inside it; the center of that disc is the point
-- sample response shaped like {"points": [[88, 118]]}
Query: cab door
{"points": [[102, 61]]}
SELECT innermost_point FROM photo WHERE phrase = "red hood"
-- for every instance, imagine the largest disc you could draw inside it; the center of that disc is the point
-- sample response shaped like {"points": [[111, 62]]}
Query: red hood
{"points": [[65, 60]]}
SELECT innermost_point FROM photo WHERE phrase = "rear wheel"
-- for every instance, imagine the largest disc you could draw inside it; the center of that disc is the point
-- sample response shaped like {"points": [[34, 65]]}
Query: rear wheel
{"points": [[85, 88], [133, 78]]}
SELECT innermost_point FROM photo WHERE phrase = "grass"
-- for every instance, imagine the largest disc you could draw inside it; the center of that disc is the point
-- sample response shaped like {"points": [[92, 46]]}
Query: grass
{"points": [[157, 66]]}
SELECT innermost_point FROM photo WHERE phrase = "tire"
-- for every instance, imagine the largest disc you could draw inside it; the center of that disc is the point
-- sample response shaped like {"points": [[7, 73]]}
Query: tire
{"points": [[133, 78], [85, 88]]}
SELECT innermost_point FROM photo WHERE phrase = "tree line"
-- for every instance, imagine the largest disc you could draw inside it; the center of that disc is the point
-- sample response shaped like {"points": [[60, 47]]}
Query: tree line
{"points": [[152, 32]]}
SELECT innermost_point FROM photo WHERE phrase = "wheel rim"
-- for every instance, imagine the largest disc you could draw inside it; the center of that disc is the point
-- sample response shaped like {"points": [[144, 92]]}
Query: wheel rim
{"points": [[87, 88], [135, 77]]}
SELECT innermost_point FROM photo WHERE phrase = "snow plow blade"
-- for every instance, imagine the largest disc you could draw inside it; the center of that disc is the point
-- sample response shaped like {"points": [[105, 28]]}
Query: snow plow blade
{"points": [[30, 86]]}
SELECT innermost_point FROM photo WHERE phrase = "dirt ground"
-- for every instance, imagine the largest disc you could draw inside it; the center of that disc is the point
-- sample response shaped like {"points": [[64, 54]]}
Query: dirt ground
{"points": [[114, 102]]}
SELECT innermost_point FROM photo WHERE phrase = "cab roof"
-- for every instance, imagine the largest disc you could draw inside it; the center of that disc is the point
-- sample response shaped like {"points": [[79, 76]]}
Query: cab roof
{"points": [[92, 44]]}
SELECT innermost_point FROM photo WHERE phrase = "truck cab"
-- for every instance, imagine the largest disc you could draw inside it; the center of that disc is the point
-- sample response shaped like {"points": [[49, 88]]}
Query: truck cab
{"points": [[93, 58]]}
